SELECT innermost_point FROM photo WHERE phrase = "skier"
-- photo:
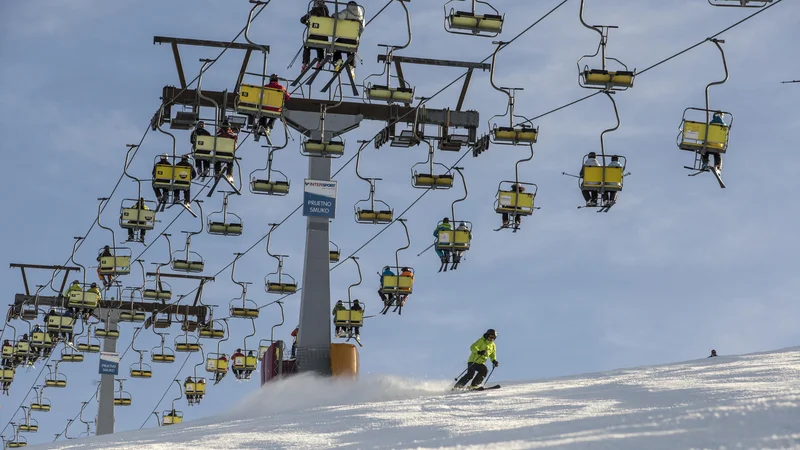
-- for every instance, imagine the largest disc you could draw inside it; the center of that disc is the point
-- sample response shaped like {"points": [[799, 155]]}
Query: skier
{"points": [[610, 197], [202, 164], [590, 195], [237, 372], [106, 279], [517, 218], [713, 353], [222, 360], [483, 349], [718, 119], [268, 124], [406, 272], [445, 225], [339, 306], [387, 299], [319, 9]]}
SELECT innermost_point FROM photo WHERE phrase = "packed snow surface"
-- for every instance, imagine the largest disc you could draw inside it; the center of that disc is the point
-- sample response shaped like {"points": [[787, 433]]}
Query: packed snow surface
{"points": [[744, 402]]}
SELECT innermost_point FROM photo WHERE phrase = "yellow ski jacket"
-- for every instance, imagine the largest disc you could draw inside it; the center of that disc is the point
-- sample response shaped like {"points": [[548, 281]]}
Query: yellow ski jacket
{"points": [[482, 344]]}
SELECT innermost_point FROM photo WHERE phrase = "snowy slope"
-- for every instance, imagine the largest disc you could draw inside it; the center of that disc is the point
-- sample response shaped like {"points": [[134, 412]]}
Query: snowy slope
{"points": [[750, 401]]}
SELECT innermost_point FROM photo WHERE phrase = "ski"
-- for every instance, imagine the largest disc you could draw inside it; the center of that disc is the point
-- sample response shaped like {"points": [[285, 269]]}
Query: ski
{"points": [[718, 175], [502, 227], [487, 388]]}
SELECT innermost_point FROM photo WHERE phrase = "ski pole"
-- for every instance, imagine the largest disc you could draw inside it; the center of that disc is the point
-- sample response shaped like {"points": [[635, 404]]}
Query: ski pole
{"points": [[464, 371], [429, 247], [295, 58], [489, 376]]}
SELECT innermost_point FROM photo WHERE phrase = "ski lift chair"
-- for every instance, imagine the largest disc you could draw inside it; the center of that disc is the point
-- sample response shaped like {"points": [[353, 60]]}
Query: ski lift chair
{"points": [[141, 370], [515, 135], [397, 284], [194, 263], [209, 332], [162, 354], [208, 148], [281, 287], [389, 94], [171, 417], [216, 365], [6, 375], [71, 355], [187, 345], [159, 290], [117, 264], [131, 217], [41, 339], [740, 3], [252, 99], [123, 398], [85, 298], [348, 319], [693, 137], [57, 323], [509, 201], [316, 147], [171, 177], [451, 142], [132, 315], [270, 186], [471, 23], [346, 34], [455, 240], [31, 426], [17, 442], [195, 388], [247, 309], [334, 253]]}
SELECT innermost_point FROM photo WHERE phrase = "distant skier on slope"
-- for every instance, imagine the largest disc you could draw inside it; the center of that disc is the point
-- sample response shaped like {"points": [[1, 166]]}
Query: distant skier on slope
{"points": [[713, 353], [483, 349]]}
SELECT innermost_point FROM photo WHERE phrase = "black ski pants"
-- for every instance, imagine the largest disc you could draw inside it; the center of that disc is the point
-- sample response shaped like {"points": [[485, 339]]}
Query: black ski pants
{"points": [[474, 368]]}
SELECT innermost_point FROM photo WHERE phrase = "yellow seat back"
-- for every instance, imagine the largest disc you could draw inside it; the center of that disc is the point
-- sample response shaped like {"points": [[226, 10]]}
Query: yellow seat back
{"points": [[324, 26], [115, 264], [87, 298], [8, 350], [512, 201], [22, 347], [144, 217], [164, 173], [348, 317], [216, 365], [250, 362], [446, 238], [40, 338], [695, 132], [270, 99], [593, 178], [238, 362], [7, 375], [204, 145], [391, 281], [462, 238]]}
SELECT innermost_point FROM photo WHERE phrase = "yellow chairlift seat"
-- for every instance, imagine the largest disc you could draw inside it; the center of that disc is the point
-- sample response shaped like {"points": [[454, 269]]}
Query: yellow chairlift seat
{"points": [[251, 97], [163, 356], [515, 135], [211, 333], [214, 365], [390, 94], [204, 148], [106, 333], [187, 347], [184, 265], [315, 147], [444, 181], [347, 33], [397, 284], [225, 229], [122, 401], [22, 348], [375, 217], [195, 387], [72, 357], [454, 240], [608, 79], [465, 20], [693, 135], [281, 288], [335, 255], [29, 428], [143, 219], [245, 363], [171, 418], [243, 312], [594, 180], [513, 202], [40, 339], [141, 371], [6, 375], [89, 348], [263, 349], [269, 186], [41, 407], [171, 177], [162, 320], [348, 318], [115, 265], [157, 294], [83, 299], [60, 324], [17, 443], [55, 383], [132, 316]]}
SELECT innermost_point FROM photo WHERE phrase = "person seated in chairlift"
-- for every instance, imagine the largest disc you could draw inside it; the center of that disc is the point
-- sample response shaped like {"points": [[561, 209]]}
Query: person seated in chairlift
{"points": [[158, 191], [106, 279], [225, 131], [590, 195], [356, 307], [187, 193], [269, 123], [405, 272], [202, 164], [718, 119], [517, 218], [75, 286], [238, 353], [220, 374], [318, 10], [339, 306], [444, 226], [461, 227], [610, 197], [351, 12], [141, 206], [387, 299]]}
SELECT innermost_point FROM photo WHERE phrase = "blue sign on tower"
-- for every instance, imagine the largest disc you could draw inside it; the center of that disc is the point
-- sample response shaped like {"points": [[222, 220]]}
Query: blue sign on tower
{"points": [[109, 363], [319, 199]]}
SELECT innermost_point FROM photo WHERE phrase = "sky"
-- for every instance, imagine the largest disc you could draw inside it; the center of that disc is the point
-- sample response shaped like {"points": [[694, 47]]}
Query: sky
{"points": [[676, 268]]}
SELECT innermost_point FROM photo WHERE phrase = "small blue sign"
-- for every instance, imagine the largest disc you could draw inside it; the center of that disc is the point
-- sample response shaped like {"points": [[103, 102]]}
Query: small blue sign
{"points": [[109, 363], [319, 199]]}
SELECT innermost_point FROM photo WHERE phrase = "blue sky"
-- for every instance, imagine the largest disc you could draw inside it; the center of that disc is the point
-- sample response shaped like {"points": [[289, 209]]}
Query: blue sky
{"points": [[676, 268]]}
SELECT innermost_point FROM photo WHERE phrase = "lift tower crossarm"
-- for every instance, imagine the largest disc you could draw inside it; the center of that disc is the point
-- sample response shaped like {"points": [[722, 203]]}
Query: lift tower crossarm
{"points": [[384, 113]]}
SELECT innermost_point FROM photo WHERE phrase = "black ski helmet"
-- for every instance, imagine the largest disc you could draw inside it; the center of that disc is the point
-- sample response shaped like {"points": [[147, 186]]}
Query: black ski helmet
{"points": [[490, 332]]}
